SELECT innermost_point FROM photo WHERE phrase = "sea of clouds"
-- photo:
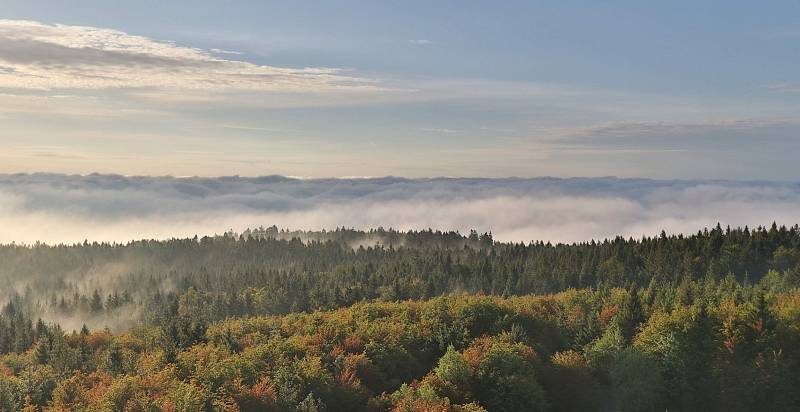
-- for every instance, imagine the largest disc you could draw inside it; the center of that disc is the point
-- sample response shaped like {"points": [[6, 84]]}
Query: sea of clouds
{"points": [[69, 208]]}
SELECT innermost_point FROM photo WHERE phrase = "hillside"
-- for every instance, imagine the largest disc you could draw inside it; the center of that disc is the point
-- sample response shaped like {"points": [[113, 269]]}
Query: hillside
{"points": [[383, 320], [713, 349]]}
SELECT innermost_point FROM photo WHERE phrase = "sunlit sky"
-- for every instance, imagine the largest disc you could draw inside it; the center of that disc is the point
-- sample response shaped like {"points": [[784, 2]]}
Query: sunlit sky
{"points": [[679, 89]]}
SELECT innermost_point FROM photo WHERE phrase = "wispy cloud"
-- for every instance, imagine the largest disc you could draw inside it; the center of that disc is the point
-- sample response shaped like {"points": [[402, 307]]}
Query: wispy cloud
{"points": [[691, 136], [643, 128], [421, 42], [254, 128], [785, 87], [438, 130], [221, 51], [40, 56]]}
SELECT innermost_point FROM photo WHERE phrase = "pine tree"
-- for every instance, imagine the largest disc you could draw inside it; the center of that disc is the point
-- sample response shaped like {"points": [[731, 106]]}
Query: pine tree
{"points": [[96, 304], [631, 315]]}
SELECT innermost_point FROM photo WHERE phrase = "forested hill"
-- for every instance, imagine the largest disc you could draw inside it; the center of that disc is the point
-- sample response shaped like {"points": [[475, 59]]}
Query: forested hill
{"points": [[268, 271], [295, 321], [729, 348]]}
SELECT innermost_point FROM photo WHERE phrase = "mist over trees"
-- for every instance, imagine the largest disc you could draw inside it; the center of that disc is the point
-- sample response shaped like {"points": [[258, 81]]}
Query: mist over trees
{"points": [[404, 321], [55, 208]]}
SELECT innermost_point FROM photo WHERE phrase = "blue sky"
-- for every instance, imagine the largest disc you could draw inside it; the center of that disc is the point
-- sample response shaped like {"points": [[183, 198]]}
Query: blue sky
{"points": [[463, 88]]}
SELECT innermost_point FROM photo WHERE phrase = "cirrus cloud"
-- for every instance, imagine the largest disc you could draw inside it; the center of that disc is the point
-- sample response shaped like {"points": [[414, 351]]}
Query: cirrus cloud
{"points": [[785, 87], [40, 56]]}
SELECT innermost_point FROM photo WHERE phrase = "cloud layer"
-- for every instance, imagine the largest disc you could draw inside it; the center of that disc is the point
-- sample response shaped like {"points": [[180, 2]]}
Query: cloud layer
{"points": [[60, 208], [39, 56]]}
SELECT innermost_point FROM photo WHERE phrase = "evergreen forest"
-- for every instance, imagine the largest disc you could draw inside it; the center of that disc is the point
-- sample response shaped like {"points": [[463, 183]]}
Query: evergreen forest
{"points": [[381, 320]]}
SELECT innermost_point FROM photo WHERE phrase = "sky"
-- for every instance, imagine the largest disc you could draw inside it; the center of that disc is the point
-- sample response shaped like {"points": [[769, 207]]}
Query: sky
{"points": [[668, 90]]}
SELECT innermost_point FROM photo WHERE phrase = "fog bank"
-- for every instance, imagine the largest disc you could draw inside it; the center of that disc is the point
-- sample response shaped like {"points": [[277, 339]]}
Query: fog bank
{"points": [[59, 208]]}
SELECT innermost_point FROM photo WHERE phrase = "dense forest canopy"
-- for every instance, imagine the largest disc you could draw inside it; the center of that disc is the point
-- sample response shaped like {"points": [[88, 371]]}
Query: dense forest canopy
{"points": [[405, 321], [271, 271]]}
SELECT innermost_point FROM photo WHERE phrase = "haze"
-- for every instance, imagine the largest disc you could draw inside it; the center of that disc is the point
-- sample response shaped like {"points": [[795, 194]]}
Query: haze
{"points": [[680, 90]]}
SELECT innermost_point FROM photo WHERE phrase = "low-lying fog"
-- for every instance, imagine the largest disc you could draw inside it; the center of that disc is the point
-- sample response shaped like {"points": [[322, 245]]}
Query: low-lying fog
{"points": [[60, 208]]}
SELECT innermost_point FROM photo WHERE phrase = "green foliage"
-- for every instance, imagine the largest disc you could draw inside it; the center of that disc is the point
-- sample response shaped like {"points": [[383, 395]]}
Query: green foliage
{"points": [[705, 322], [505, 376], [603, 352], [70, 394], [570, 385], [37, 383], [188, 397], [453, 368], [183, 285], [118, 394], [311, 404], [382, 356], [637, 382], [11, 394]]}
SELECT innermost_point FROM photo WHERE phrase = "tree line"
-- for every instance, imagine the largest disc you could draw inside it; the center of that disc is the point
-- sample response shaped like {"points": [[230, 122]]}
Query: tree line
{"points": [[403, 321], [268, 271]]}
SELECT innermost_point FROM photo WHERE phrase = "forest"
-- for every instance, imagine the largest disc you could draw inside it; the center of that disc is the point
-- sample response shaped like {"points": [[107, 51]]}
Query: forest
{"points": [[381, 320]]}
